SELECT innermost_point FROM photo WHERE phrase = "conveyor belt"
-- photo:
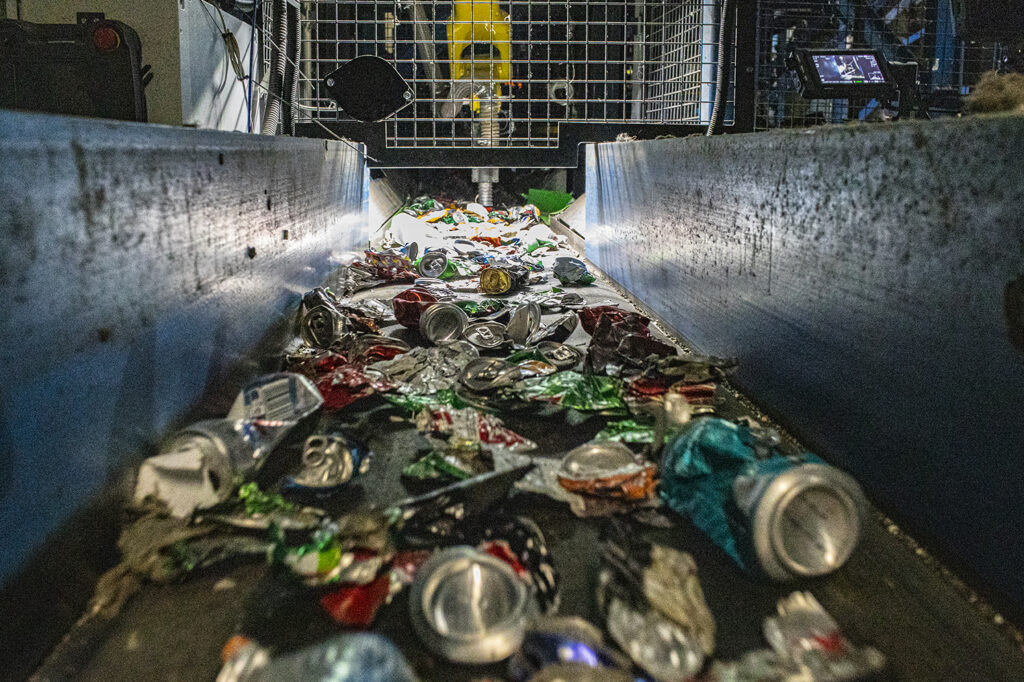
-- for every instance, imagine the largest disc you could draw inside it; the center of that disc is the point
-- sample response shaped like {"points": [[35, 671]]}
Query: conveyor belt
{"points": [[887, 595]]}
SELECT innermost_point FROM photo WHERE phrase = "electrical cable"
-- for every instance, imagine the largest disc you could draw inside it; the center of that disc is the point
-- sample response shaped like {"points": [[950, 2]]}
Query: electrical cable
{"points": [[722, 75]]}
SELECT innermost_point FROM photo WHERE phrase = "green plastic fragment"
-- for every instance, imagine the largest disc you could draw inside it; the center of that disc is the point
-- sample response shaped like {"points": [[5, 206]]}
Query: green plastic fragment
{"points": [[540, 244], [628, 431], [548, 201], [433, 465], [258, 502]]}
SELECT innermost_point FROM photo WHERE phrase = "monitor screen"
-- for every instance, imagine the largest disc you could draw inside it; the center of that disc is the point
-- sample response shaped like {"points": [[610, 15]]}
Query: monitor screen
{"points": [[848, 69]]}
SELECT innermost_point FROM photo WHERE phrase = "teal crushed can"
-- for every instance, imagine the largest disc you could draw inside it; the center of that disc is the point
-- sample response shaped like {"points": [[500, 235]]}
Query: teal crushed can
{"points": [[787, 517]]}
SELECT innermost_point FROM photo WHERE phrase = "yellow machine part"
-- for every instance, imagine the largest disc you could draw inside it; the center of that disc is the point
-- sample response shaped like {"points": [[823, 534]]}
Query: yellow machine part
{"points": [[480, 22]]}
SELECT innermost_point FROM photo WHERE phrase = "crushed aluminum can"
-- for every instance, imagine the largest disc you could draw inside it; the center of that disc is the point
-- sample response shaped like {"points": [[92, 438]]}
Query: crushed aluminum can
{"points": [[356, 605], [426, 370], [345, 384], [430, 519], [328, 462], [443, 323], [487, 374], [485, 308], [469, 607], [663, 578], [433, 264], [197, 467], [657, 644], [590, 317], [607, 469], [558, 331], [535, 368], [573, 390], [637, 347], [560, 355], [808, 639], [410, 304], [789, 516], [369, 348], [322, 325], [525, 322], [563, 642], [502, 280], [350, 657], [485, 335], [572, 271], [490, 429]]}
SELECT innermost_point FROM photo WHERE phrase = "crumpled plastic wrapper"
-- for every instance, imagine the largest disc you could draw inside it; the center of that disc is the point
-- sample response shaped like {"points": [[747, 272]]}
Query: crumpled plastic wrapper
{"points": [[428, 370]]}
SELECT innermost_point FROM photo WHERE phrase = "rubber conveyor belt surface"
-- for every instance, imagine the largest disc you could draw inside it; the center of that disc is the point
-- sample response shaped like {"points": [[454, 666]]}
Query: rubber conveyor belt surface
{"points": [[888, 595]]}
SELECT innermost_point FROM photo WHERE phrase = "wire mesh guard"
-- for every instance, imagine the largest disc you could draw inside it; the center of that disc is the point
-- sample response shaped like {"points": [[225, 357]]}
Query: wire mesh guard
{"points": [[921, 32], [507, 74]]}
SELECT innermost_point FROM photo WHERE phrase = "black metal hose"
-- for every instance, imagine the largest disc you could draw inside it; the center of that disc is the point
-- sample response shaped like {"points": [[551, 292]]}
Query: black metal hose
{"points": [[722, 75], [291, 74]]}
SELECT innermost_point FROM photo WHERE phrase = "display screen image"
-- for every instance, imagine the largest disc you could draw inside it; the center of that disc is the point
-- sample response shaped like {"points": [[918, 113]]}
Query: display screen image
{"points": [[853, 69]]}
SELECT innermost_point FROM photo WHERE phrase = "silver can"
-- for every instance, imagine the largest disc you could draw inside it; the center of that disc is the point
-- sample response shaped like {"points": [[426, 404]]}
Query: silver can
{"points": [[433, 264], [486, 335], [443, 323], [469, 607], [805, 518], [525, 321]]}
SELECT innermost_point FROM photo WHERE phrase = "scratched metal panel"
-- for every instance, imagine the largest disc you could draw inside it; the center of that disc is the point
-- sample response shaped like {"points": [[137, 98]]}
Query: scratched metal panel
{"points": [[870, 280], [136, 264]]}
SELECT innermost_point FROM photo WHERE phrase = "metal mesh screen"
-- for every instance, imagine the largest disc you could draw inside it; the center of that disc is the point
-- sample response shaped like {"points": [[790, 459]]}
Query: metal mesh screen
{"points": [[507, 74], [924, 32]]}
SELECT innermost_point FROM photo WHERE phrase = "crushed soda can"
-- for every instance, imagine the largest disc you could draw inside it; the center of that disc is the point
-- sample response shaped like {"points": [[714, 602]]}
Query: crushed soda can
{"points": [[562, 642], [484, 308], [356, 605], [572, 390], [560, 355], [198, 466], [558, 331], [353, 550], [487, 374], [502, 280], [345, 384], [525, 321], [807, 644], [427, 519], [428, 370], [607, 469], [490, 430], [434, 264], [410, 304], [590, 317], [437, 464], [390, 266], [485, 335], [350, 657], [328, 462], [366, 349], [690, 368], [787, 516], [469, 607], [572, 272], [443, 323], [653, 576]]}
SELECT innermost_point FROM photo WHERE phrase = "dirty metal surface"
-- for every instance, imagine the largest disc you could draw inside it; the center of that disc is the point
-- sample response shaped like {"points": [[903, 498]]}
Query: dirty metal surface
{"points": [[137, 263], [868, 279]]}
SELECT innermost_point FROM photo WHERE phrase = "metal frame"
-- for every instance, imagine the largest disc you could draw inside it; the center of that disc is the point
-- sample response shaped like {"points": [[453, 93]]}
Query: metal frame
{"points": [[648, 73]]}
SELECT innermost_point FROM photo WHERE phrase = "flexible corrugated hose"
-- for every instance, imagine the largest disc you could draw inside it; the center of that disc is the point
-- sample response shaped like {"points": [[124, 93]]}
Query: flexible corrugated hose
{"points": [[722, 75], [279, 62]]}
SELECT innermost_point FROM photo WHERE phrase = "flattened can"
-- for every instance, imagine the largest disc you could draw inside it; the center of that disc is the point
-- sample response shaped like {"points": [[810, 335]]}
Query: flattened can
{"points": [[443, 323], [409, 305], [486, 335], [499, 280], [560, 355]]}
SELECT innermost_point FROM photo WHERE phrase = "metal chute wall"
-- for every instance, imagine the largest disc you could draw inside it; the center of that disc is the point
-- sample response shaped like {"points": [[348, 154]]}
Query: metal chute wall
{"points": [[139, 265], [871, 281]]}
